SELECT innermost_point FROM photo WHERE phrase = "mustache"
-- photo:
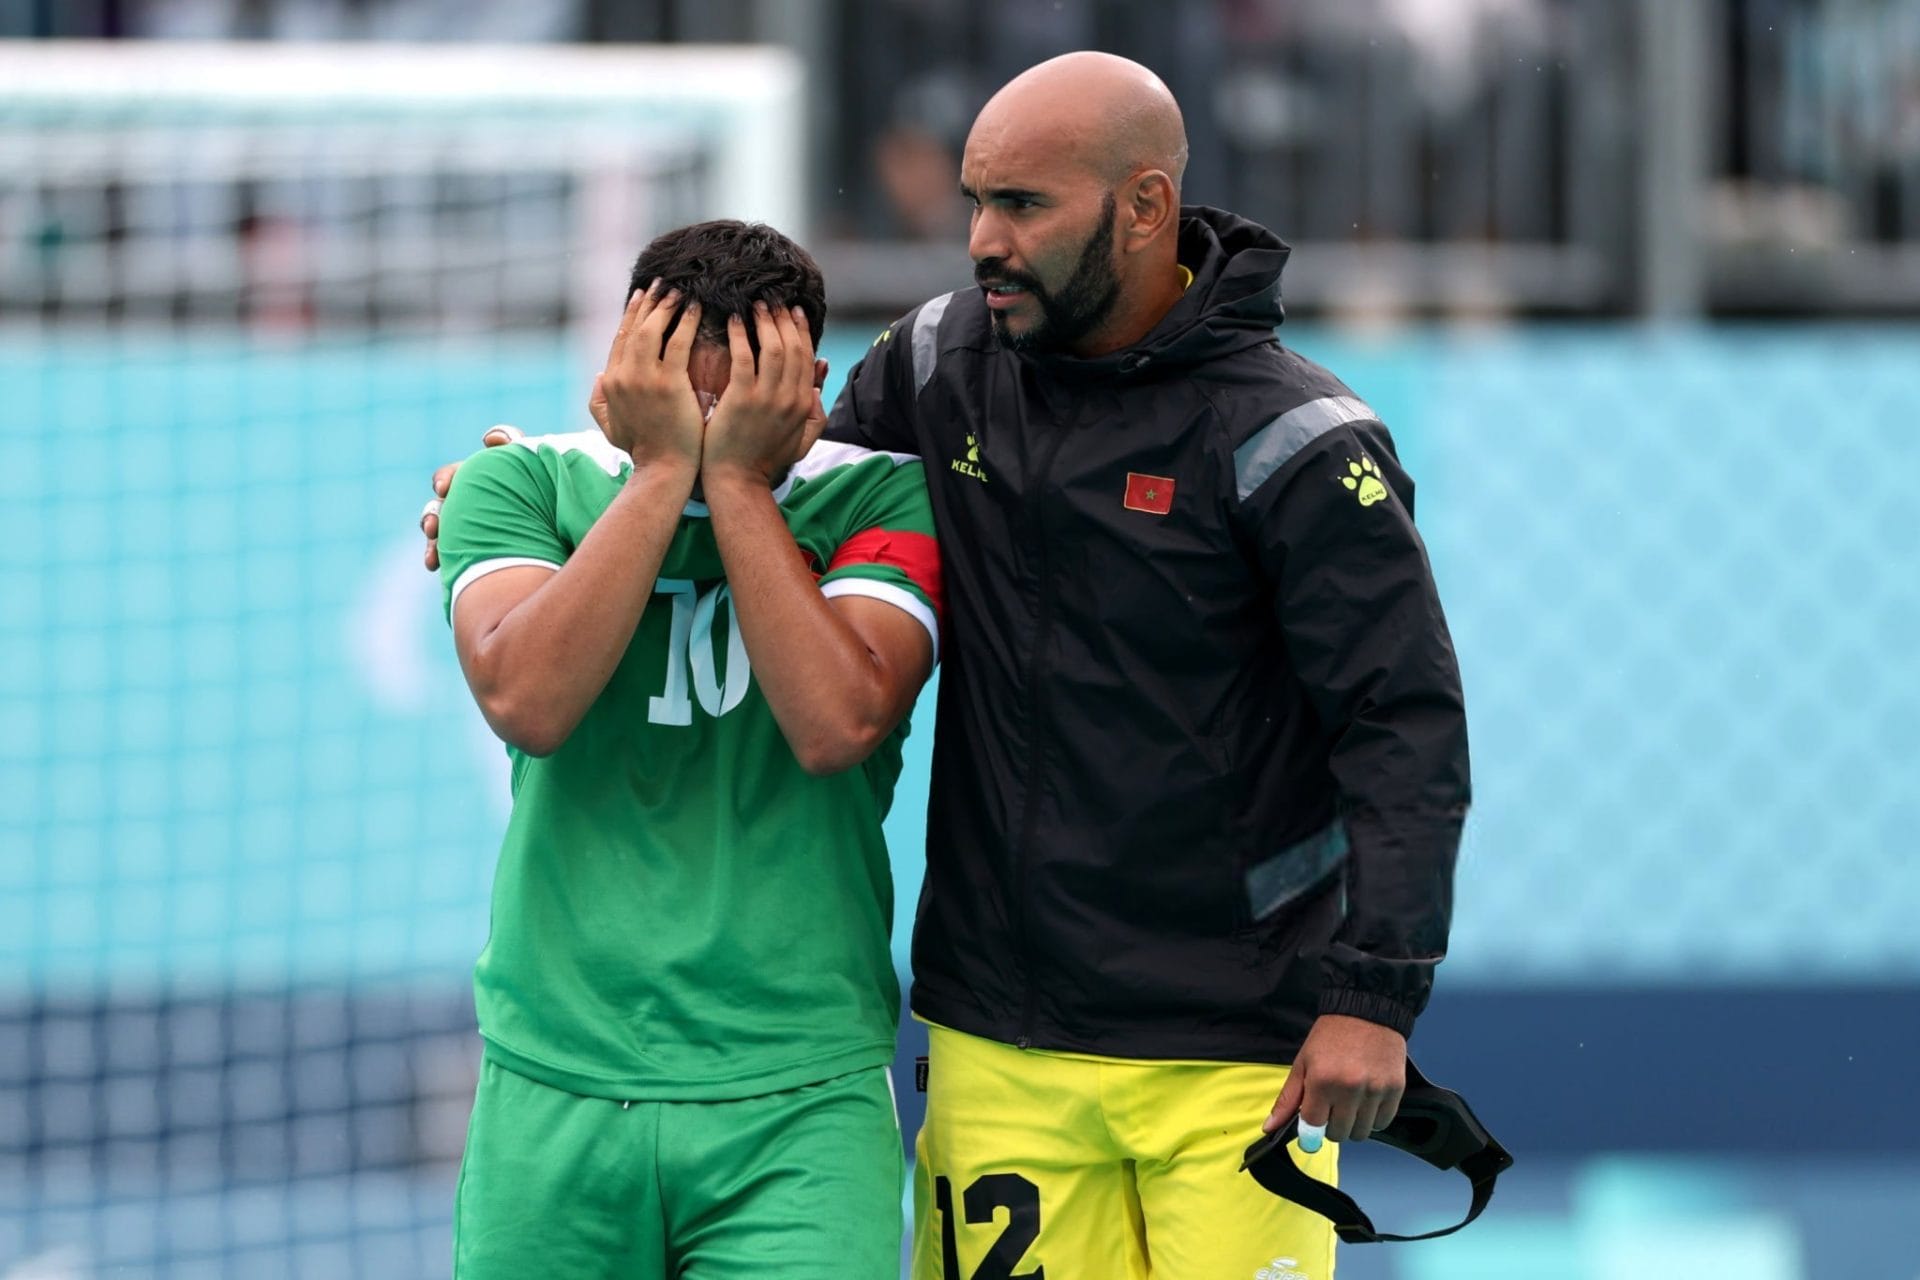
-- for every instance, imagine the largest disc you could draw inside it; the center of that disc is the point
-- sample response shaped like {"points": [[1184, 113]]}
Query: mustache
{"points": [[992, 271]]}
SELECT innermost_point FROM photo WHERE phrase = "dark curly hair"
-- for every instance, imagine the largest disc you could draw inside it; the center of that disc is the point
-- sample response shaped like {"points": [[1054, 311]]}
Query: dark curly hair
{"points": [[728, 266]]}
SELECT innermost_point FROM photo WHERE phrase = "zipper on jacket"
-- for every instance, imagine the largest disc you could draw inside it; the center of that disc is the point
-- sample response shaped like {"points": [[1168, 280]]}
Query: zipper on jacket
{"points": [[1037, 693]]}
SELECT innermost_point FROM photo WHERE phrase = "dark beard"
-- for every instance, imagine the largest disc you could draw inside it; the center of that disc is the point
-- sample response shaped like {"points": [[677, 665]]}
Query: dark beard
{"points": [[1082, 303]]}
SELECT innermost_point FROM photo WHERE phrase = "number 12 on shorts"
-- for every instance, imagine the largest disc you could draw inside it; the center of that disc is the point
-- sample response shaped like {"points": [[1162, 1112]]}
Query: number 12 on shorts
{"points": [[988, 1194]]}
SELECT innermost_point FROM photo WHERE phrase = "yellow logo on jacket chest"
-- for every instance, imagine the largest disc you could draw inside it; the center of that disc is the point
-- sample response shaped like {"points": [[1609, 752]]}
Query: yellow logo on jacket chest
{"points": [[970, 465]]}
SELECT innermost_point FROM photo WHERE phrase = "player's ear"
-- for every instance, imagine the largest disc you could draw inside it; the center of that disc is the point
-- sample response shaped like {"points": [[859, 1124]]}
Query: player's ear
{"points": [[819, 374]]}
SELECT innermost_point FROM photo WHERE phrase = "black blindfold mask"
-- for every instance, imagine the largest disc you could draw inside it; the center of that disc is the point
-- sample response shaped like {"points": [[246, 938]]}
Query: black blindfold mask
{"points": [[1433, 1123]]}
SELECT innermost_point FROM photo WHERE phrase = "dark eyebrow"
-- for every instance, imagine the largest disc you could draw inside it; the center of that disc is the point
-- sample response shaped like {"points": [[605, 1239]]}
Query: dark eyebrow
{"points": [[1002, 193]]}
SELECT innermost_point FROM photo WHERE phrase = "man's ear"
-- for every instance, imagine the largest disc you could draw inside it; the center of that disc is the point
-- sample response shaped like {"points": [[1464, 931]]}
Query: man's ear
{"points": [[1152, 203], [819, 374]]}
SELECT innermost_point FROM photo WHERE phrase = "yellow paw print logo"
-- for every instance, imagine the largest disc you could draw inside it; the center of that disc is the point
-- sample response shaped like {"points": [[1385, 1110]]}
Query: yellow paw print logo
{"points": [[1364, 479], [973, 449]]}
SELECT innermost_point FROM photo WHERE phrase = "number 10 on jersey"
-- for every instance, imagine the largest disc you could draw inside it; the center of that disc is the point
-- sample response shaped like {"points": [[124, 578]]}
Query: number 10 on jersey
{"points": [[690, 643]]}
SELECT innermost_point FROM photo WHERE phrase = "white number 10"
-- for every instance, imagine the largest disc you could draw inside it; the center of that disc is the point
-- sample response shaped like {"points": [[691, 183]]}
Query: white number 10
{"points": [[690, 644]]}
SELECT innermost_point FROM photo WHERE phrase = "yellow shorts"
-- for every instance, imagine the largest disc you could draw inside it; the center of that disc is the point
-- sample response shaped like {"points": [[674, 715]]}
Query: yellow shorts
{"points": [[1102, 1169]]}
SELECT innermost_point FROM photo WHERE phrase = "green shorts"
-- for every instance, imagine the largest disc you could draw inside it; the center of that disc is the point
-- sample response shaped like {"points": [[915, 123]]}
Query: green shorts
{"points": [[803, 1185]]}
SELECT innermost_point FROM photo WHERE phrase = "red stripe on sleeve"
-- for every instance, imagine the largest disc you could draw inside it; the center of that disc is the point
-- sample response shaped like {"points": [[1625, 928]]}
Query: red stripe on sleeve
{"points": [[915, 554]]}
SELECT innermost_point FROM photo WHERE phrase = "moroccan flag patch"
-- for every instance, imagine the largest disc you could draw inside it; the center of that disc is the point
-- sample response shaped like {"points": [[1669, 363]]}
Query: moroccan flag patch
{"points": [[1152, 494]]}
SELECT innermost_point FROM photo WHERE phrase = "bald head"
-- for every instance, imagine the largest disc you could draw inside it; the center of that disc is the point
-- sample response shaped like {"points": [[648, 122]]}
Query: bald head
{"points": [[1110, 114]]}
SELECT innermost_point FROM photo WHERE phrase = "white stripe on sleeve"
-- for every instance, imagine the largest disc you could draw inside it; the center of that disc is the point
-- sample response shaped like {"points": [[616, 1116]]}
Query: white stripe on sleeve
{"points": [[474, 572], [898, 597]]}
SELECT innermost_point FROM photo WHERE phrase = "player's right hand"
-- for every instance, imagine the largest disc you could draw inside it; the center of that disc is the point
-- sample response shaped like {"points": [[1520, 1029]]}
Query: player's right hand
{"points": [[651, 412], [498, 434]]}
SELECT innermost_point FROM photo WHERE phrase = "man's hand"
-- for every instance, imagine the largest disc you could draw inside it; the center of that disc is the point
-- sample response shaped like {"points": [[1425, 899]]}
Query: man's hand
{"points": [[650, 411], [1348, 1076], [498, 434], [768, 417]]}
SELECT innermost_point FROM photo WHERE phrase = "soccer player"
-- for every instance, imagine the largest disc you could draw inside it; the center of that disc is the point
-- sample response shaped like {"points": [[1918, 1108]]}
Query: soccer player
{"points": [[699, 633]]}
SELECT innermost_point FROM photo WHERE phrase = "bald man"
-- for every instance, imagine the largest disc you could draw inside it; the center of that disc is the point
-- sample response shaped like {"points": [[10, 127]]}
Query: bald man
{"points": [[1200, 758]]}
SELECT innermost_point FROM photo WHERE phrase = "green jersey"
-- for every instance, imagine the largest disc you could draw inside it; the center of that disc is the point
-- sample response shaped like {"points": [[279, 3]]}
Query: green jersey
{"points": [[680, 911]]}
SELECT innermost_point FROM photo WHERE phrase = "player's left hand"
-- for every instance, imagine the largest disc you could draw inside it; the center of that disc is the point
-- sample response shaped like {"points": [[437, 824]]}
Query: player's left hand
{"points": [[768, 416], [1348, 1076]]}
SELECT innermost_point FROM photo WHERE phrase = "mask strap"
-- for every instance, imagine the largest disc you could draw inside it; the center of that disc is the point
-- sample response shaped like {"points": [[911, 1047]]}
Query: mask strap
{"points": [[1271, 1163], [1284, 1178]]}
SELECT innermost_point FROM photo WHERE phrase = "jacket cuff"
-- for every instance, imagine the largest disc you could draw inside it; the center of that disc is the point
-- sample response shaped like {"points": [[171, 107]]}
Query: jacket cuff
{"points": [[1384, 1010]]}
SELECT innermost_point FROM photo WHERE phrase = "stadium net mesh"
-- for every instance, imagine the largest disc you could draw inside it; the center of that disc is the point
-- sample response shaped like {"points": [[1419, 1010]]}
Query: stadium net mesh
{"points": [[249, 297]]}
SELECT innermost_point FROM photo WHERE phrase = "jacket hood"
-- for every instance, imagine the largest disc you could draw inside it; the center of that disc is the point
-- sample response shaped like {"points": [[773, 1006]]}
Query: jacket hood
{"points": [[1233, 302]]}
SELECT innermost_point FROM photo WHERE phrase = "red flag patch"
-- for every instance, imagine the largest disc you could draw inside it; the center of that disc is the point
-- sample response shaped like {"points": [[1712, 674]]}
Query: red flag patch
{"points": [[1152, 494]]}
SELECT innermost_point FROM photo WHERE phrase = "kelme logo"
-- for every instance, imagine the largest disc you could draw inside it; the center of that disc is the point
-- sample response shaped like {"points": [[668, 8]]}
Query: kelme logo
{"points": [[1363, 479], [970, 465]]}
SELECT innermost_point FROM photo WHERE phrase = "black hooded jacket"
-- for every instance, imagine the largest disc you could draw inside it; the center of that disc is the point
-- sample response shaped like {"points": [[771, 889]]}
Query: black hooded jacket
{"points": [[1200, 763]]}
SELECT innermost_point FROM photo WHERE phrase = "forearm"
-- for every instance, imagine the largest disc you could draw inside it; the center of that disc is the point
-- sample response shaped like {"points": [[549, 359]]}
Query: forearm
{"points": [[826, 688], [1380, 965], [1404, 782], [539, 669]]}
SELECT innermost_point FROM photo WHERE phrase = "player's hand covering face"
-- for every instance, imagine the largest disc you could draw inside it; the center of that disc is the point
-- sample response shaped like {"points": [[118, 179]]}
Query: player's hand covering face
{"points": [[770, 414], [644, 401]]}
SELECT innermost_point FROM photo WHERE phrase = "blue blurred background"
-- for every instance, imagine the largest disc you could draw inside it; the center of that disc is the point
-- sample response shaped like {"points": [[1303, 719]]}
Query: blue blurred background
{"points": [[1634, 285]]}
